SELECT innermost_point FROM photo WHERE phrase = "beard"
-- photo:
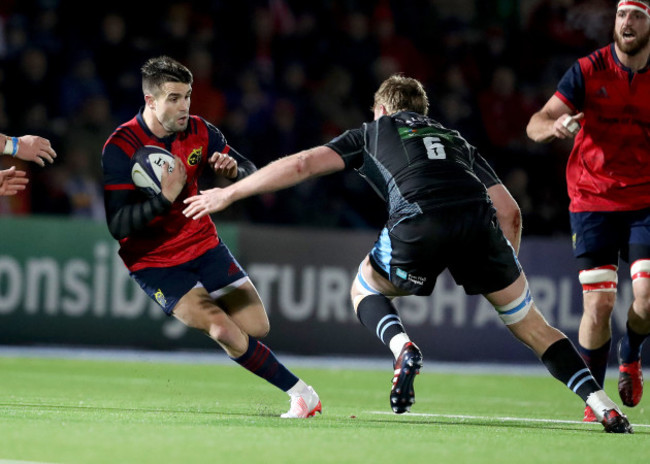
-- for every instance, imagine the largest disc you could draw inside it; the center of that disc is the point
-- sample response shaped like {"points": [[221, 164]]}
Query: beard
{"points": [[632, 48]]}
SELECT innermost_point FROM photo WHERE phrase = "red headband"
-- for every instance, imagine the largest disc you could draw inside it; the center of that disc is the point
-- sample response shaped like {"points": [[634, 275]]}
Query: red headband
{"points": [[632, 5]]}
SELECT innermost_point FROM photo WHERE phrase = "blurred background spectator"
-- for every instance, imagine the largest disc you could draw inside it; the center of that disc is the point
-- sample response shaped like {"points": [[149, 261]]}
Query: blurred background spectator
{"points": [[277, 76]]}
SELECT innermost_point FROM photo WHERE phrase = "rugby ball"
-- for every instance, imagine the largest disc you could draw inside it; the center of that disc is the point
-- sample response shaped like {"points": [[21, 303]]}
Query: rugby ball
{"points": [[146, 168]]}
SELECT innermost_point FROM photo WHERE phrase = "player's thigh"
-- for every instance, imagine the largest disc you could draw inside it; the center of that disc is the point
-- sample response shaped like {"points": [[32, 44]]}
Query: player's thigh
{"points": [[408, 258], [246, 309], [198, 310], [485, 261], [371, 281], [509, 293]]}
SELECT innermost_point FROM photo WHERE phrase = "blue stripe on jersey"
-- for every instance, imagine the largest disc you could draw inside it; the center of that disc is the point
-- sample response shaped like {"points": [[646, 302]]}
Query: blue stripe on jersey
{"points": [[382, 251]]}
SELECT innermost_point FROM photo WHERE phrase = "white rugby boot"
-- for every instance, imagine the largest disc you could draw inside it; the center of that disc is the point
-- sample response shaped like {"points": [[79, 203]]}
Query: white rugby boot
{"points": [[304, 404]]}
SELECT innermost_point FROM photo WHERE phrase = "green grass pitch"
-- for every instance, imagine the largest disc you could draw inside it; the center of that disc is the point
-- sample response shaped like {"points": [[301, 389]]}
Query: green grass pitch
{"points": [[71, 411]]}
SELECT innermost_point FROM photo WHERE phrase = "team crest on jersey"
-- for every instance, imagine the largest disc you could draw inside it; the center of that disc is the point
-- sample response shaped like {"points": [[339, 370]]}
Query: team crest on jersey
{"points": [[160, 298], [195, 156]]}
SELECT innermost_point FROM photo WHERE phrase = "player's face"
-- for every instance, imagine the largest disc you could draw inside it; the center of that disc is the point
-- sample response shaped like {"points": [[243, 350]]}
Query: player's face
{"points": [[631, 31], [172, 106]]}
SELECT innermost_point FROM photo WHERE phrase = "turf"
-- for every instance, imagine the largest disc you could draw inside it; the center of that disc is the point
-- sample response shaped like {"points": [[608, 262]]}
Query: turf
{"points": [[93, 411]]}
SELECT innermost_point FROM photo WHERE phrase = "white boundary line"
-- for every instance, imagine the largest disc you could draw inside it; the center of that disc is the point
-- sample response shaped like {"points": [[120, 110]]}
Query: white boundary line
{"points": [[9, 461], [494, 418]]}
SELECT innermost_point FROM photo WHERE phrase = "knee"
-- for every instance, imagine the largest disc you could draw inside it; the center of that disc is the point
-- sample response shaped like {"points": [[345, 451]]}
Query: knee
{"points": [[260, 330], [219, 332], [599, 308]]}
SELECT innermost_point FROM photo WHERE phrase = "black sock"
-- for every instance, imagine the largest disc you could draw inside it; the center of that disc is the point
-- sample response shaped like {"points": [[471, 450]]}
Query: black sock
{"points": [[565, 364], [261, 361], [596, 360], [377, 313], [631, 345]]}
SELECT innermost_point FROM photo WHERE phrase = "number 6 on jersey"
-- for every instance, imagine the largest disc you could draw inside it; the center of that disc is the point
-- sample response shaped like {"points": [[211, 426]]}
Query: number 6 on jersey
{"points": [[435, 149]]}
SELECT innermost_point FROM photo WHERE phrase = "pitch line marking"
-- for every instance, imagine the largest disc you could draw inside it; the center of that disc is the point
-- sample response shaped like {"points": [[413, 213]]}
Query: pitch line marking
{"points": [[492, 418], [9, 461]]}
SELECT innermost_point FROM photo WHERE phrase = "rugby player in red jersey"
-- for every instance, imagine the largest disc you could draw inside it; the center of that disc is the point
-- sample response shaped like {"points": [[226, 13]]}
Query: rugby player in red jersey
{"points": [[183, 264], [603, 102]]}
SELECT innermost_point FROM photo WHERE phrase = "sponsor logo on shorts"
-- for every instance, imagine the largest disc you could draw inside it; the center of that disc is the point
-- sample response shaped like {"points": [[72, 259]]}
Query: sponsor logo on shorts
{"points": [[574, 239], [417, 280], [160, 298]]}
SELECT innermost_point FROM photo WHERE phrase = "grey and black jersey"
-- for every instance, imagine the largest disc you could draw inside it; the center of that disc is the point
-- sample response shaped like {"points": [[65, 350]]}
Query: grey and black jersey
{"points": [[415, 164]]}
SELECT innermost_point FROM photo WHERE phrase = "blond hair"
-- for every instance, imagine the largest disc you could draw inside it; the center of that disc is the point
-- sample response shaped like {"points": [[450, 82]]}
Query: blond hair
{"points": [[401, 93]]}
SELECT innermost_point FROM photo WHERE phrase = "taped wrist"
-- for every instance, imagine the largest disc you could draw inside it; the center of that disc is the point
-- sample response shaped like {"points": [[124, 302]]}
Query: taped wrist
{"points": [[11, 146]]}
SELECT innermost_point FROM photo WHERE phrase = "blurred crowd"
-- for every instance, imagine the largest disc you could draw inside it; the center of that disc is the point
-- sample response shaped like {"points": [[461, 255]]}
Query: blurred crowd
{"points": [[278, 76]]}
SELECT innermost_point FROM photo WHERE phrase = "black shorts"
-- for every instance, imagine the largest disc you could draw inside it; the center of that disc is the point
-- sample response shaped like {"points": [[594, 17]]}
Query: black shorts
{"points": [[465, 239]]}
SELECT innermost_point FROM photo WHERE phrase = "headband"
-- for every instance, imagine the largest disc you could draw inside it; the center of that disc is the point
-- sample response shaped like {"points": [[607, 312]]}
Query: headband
{"points": [[632, 5]]}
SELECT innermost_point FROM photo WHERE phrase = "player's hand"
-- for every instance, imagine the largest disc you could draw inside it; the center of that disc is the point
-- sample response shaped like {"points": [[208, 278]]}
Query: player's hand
{"points": [[209, 201], [567, 126], [224, 165], [12, 181], [172, 183], [36, 149]]}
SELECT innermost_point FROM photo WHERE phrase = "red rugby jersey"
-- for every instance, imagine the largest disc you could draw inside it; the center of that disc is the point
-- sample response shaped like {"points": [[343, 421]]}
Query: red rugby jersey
{"points": [[170, 239], [609, 165]]}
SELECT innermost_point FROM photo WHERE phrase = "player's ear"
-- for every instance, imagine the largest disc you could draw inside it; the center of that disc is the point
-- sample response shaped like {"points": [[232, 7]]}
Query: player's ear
{"points": [[150, 101]]}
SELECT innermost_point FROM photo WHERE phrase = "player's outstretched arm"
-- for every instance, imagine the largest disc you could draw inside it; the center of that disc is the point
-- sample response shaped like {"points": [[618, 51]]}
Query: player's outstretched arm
{"points": [[277, 175], [554, 121], [12, 181]]}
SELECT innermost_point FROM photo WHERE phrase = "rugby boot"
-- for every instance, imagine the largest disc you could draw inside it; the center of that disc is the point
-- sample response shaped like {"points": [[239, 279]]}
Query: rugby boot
{"points": [[304, 405], [589, 415], [407, 366], [608, 414], [630, 380], [615, 421]]}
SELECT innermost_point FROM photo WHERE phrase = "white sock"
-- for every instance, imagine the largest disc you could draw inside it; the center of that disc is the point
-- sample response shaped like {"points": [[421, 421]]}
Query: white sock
{"points": [[397, 343], [299, 388]]}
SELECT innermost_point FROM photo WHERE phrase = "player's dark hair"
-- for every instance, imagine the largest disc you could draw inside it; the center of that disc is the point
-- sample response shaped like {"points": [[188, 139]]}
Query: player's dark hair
{"points": [[401, 93], [159, 70]]}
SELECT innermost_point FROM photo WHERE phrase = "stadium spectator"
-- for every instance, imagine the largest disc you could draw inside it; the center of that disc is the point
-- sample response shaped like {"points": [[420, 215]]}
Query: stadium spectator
{"points": [[601, 102], [182, 264], [276, 38], [439, 217]]}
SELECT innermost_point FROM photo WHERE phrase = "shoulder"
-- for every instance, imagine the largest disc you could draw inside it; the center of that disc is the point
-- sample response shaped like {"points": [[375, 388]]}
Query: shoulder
{"points": [[199, 126], [597, 61], [127, 138]]}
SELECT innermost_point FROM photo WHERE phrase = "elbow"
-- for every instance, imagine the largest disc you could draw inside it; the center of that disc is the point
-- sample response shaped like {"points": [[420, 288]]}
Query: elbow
{"points": [[530, 132], [510, 213], [117, 235], [536, 132], [117, 232], [302, 166]]}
